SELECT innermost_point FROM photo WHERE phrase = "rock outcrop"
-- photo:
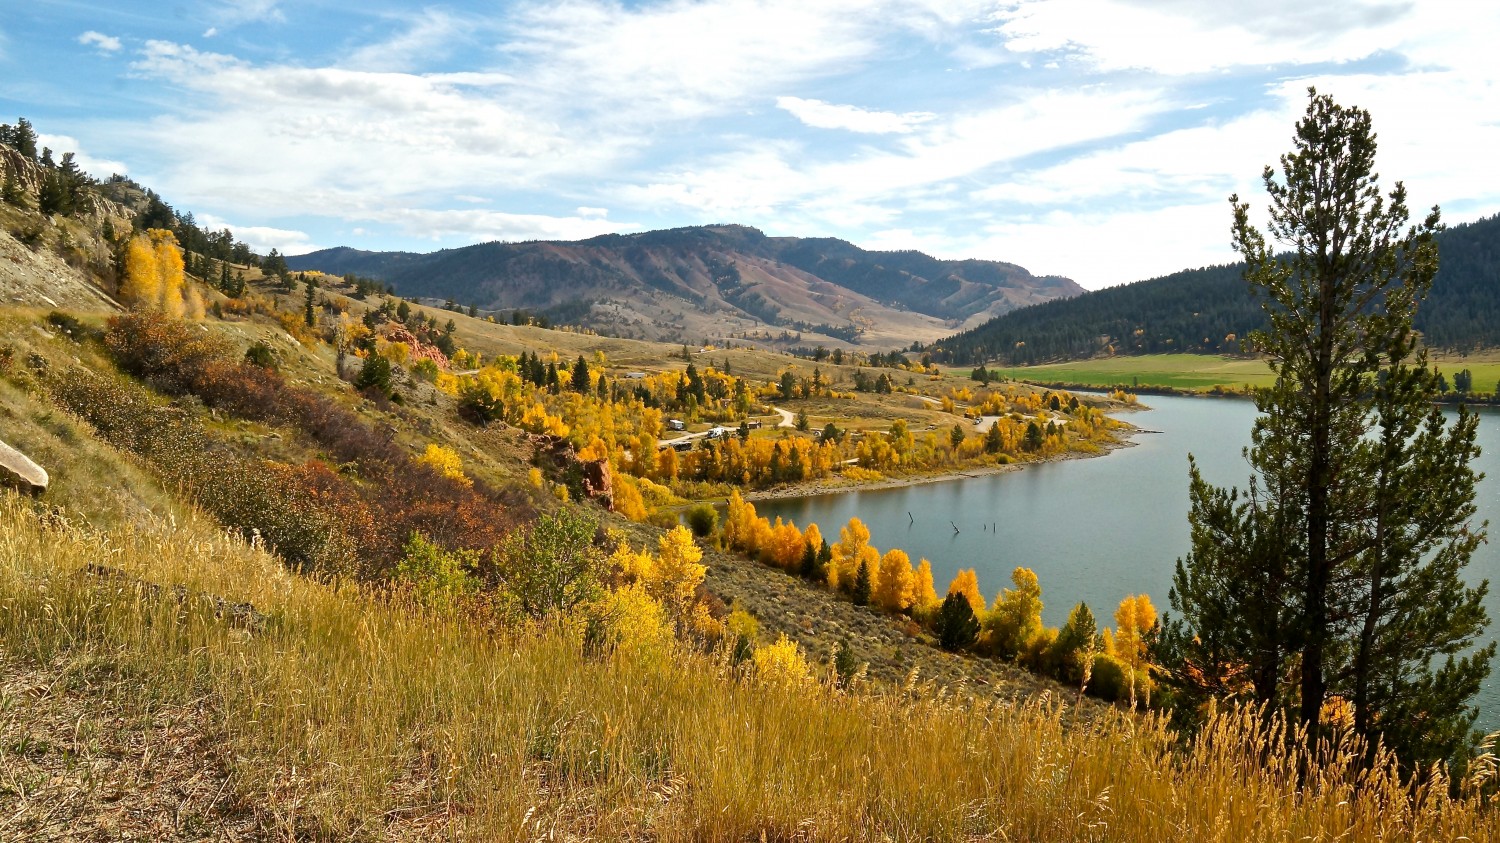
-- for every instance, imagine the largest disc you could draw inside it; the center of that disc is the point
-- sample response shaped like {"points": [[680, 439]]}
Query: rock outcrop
{"points": [[18, 471], [593, 475]]}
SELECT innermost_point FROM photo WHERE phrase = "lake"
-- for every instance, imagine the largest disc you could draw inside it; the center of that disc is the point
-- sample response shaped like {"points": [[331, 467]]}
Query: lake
{"points": [[1098, 529]]}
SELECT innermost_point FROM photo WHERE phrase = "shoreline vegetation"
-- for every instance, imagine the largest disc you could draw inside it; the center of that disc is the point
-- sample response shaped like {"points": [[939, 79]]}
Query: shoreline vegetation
{"points": [[838, 486]]}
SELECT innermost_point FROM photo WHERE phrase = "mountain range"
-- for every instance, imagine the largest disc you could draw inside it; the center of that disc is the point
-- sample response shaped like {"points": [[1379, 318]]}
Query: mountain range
{"points": [[714, 283]]}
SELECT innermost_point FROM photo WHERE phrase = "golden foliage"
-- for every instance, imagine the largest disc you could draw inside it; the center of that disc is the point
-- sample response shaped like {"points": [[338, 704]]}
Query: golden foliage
{"points": [[924, 595], [966, 582], [445, 461], [781, 663], [895, 583], [154, 276]]}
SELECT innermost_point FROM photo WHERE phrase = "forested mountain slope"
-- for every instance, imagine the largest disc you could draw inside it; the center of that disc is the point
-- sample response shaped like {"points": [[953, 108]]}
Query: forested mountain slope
{"points": [[714, 282], [1210, 310]]}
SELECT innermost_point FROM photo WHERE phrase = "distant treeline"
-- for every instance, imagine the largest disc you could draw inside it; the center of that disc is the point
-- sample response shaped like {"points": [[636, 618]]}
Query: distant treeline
{"points": [[1211, 310]]}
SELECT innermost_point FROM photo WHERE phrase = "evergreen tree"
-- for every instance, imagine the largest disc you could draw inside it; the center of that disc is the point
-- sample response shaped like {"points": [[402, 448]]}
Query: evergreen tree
{"points": [[375, 374], [1075, 644], [993, 441], [23, 138], [809, 564], [308, 314], [956, 625], [11, 192], [1344, 560], [862, 585], [580, 376]]}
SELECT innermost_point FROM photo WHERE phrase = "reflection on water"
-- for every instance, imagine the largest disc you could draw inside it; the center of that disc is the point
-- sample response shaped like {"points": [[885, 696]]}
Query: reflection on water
{"points": [[1096, 529]]}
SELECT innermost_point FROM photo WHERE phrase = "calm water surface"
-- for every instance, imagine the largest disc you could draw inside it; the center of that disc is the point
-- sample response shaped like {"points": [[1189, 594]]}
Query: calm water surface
{"points": [[1098, 529]]}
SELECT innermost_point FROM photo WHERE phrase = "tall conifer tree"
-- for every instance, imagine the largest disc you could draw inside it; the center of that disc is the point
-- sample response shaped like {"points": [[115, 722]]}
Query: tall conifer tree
{"points": [[1338, 575]]}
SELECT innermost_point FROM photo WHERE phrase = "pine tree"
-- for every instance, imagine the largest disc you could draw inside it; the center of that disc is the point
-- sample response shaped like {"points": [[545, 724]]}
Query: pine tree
{"points": [[308, 314], [862, 585], [23, 138], [956, 625], [11, 192], [580, 376], [1344, 560]]}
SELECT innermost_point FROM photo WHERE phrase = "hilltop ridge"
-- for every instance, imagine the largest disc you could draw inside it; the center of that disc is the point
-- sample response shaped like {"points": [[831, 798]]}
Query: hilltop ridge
{"points": [[714, 283]]}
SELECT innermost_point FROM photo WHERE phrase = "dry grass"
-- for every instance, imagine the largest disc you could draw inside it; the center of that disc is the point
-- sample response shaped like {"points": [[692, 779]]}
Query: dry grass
{"points": [[356, 717]]}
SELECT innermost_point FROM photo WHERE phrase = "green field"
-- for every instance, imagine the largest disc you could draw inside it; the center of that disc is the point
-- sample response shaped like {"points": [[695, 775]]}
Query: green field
{"points": [[1202, 372], [1180, 371]]}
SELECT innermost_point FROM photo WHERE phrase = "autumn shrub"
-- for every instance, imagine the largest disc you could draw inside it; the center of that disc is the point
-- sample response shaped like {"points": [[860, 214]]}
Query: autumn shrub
{"points": [[781, 663], [552, 565], [702, 519], [437, 575], [1108, 678], [627, 619], [166, 353], [260, 354]]}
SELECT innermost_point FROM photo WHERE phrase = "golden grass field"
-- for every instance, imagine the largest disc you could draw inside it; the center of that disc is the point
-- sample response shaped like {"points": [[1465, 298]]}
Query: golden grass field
{"points": [[353, 715]]}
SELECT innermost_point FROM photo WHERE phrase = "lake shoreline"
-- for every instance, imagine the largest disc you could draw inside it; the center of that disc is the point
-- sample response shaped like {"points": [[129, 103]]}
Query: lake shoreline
{"points": [[839, 486]]}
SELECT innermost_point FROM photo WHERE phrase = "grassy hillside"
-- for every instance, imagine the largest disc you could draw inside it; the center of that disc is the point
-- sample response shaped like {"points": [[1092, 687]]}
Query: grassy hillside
{"points": [[713, 283], [1211, 310], [350, 715]]}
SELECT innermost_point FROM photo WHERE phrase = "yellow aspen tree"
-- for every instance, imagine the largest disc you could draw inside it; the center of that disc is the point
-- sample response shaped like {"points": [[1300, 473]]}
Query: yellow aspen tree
{"points": [[813, 536], [628, 500], [1016, 617], [895, 585], [786, 545], [738, 532], [169, 271], [194, 303], [966, 582], [924, 594], [666, 465], [678, 568], [853, 547], [445, 461], [141, 285], [634, 565], [1134, 620]]}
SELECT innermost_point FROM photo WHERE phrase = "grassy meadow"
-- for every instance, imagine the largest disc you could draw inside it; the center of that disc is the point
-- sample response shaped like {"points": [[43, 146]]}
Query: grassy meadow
{"points": [[1193, 372], [1203, 372], [359, 715]]}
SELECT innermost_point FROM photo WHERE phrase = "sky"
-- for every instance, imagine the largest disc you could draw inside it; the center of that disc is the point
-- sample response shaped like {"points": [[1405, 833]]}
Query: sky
{"points": [[1095, 139]]}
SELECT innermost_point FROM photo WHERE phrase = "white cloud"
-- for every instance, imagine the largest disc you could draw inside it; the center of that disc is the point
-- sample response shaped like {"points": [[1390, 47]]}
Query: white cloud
{"points": [[873, 184], [263, 238], [1184, 36], [346, 140], [235, 12], [210, 32], [483, 225], [424, 34], [679, 59], [97, 167], [103, 43], [823, 115], [1052, 122]]}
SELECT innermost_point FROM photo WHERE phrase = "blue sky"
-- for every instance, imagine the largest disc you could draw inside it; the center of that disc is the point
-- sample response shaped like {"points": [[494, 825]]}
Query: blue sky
{"points": [[1097, 139]]}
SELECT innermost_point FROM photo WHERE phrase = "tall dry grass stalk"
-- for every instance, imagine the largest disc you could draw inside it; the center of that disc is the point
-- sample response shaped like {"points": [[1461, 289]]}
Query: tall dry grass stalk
{"points": [[359, 716]]}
